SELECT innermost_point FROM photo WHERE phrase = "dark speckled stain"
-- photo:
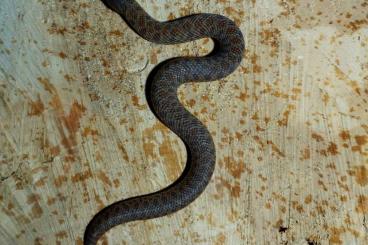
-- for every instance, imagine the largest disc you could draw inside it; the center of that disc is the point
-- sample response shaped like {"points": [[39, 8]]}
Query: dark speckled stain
{"points": [[38, 241], [311, 241], [283, 229]]}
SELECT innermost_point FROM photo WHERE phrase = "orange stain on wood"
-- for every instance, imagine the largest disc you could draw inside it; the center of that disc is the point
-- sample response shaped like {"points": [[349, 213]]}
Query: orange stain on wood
{"points": [[172, 163], [49, 87], [362, 204], [56, 104], [285, 119], [275, 148], [135, 100], [37, 108], [308, 199], [153, 57], [116, 183], [82, 176], [55, 151], [332, 149], [116, 33], [235, 168], [60, 180], [123, 150], [234, 189], [317, 137], [165, 149], [72, 121], [87, 131], [61, 235], [79, 241], [220, 239], [69, 78], [104, 178], [148, 148], [361, 139], [305, 154], [361, 175], [62, 55], [36, 210], [344, 135], [335, 234]]}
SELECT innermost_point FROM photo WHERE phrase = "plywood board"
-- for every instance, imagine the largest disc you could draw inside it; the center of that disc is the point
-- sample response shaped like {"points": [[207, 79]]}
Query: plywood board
{"points": [[290, 125]]}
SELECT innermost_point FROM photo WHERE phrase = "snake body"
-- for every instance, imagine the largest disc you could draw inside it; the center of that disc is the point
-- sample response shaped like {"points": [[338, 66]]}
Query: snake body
{"points": [[163, 100]]}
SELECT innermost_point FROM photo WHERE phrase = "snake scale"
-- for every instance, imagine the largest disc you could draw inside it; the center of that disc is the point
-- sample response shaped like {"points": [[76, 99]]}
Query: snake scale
{"points": [[162, 97]]}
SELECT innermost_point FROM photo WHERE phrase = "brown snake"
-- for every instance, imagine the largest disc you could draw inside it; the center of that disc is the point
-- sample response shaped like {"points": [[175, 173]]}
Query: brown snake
{"points": [[161, 91]]}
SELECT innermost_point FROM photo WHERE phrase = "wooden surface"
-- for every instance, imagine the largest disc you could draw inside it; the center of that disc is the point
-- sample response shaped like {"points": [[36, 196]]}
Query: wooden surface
{"points": [[290, 125]]}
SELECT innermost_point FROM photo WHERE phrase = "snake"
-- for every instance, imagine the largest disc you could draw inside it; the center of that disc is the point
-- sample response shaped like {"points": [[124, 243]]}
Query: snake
{"points": [[161, 93]]}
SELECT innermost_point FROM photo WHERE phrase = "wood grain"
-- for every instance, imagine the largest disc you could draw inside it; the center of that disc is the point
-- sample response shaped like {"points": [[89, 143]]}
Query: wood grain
{"points": [[290, 125]]}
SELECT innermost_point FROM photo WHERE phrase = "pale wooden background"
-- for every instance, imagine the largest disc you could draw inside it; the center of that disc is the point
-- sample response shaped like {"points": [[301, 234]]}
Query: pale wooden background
{"points": [[290, 125]]}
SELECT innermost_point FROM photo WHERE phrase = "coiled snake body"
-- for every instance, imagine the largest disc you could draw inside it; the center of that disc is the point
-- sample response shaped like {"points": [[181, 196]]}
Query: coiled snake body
{"points": [[163, 100]]}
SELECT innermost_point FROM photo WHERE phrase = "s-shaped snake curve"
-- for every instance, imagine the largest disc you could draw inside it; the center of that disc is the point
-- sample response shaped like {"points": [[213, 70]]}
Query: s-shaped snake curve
{"points": [[162, 96]]}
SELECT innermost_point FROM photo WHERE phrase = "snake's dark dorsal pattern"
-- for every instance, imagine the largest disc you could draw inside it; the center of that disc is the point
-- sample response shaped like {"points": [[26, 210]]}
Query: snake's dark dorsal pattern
{"points": [[162, 96]]}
